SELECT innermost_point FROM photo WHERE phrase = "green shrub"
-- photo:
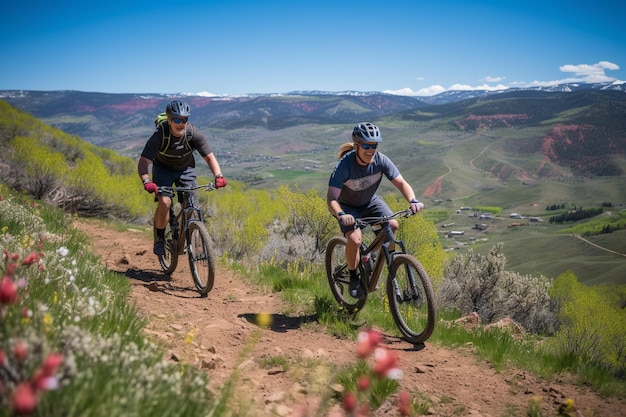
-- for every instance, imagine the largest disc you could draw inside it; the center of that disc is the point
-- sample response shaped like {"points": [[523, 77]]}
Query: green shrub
{"points": [[475, 283], [593, 324]]}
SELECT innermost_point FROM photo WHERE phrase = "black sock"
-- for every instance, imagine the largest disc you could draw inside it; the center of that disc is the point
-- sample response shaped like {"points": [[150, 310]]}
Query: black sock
{"points": [[160, 233], [353, 274]]}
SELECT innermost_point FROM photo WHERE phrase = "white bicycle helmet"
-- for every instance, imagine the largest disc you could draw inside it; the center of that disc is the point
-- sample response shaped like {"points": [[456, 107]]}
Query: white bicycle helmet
{"points": [[366, 132]]}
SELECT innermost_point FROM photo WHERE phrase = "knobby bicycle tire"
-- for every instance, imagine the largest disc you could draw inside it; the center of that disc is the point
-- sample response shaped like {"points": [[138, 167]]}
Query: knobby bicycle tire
{"points": [[412, 306], [169, 261], [201, 260], [338, 275]]}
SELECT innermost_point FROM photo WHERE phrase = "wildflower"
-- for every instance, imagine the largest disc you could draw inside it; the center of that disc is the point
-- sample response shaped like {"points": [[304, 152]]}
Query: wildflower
{"points": [[190, 336], [363, 383], [24, 399], [264, 319], [62, 251], [43, 378], [20, 351], [368, 340], [30, 259], [349, 402], [8, 291], [403, 403], [26, 314], [52, 362], [385, 362]]}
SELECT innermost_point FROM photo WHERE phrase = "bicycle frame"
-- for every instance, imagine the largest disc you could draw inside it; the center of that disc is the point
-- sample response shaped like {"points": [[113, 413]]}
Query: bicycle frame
{"points": [[384, 238], [189, 212]]}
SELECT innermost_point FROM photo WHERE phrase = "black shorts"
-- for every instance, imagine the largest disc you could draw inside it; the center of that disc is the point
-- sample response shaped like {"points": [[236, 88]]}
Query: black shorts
{"points": [[376, 207], [165, 177]]}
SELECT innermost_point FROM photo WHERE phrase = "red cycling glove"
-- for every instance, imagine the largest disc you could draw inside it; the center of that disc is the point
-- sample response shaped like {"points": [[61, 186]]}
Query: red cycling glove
{"points": [[220, 182], [151, 187]]}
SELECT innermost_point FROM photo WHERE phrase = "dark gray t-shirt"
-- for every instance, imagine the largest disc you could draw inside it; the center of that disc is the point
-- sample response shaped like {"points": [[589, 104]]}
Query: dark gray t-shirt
{"points": [[166, 150], [359, 183]]}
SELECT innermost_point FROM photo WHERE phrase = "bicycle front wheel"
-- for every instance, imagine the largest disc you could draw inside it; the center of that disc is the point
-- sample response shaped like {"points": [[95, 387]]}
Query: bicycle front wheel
{"points": [[169, 261], [200, 257], [338, 275], [411, 299]]}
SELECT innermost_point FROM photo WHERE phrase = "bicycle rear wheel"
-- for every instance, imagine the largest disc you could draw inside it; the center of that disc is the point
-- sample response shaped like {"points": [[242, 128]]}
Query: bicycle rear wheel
{"points": [[338, 275], [200, 257], [411, 299], [169, 261]]}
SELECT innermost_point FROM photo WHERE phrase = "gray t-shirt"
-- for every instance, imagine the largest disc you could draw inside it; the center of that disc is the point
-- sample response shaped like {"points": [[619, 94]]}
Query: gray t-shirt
{"points": [[359, 183]]}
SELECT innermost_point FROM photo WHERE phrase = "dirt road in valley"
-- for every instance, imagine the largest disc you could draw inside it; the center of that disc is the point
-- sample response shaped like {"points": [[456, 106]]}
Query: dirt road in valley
{"points": [[219, 335]]}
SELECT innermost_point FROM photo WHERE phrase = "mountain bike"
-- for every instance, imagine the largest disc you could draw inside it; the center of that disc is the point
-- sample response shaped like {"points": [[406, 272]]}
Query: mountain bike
{"points": [[186, 232], [409, 290]]}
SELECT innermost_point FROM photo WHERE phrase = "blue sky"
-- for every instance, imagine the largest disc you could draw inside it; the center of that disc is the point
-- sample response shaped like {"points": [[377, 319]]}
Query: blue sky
{"points": [[236, 47]]}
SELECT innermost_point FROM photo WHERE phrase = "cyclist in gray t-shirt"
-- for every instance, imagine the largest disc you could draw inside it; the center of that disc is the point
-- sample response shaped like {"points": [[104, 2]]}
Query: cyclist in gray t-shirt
{"points": [[352, 191]]}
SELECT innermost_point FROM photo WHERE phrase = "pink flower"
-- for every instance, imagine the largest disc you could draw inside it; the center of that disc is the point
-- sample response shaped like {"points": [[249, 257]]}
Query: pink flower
{"points": [[403, 403], [8, 291], [52, 362], [30, 259], [363, 383], [349, 402], [43, 378], [24, 399], [367, 342], [385, 361], [20, 351]]}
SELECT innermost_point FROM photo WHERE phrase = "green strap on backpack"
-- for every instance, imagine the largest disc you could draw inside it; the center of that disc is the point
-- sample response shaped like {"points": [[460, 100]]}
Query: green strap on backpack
{"points": [[161, 118]]}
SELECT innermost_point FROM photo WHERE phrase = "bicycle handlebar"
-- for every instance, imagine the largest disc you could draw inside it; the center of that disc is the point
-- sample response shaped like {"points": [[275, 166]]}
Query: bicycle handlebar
{"points": [[207, 187], [368, 221]]}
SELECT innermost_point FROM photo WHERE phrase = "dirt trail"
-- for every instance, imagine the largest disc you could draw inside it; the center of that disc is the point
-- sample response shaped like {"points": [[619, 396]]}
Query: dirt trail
{"points": [[225, 341]]}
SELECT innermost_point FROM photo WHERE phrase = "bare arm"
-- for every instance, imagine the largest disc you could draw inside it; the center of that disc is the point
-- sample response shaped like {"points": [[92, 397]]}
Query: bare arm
{"points": [[331, 200], [404, 187], [142, 168], [214, 166]]}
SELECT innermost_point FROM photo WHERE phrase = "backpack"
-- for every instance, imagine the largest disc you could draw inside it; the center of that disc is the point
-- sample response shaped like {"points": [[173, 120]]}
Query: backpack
{"points": [[160, 119]]}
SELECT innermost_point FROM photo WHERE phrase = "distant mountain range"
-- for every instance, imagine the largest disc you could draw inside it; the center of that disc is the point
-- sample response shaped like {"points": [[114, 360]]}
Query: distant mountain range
{"points": [[588, 120]]}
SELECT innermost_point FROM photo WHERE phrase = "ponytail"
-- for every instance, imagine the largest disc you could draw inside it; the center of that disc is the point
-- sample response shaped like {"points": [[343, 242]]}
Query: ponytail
{"points": [[345, 148]]}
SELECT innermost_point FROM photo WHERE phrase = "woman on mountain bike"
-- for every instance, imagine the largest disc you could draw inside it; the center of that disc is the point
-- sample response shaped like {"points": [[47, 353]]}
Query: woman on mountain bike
{"points": [[352, 191], [170, 152]]}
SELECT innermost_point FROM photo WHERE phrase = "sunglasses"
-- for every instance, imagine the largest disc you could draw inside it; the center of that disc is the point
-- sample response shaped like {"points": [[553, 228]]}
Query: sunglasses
{"points": [[367, 146], [178, 121]]}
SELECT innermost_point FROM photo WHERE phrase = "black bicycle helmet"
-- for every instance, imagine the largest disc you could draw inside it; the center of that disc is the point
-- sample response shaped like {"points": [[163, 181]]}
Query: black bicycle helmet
{"points": [[366, 132], [178, 108]]}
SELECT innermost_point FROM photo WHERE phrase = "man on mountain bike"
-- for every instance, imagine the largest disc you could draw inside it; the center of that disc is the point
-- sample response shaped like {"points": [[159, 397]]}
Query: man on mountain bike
{"points": [[352, 191], [170, 152]]}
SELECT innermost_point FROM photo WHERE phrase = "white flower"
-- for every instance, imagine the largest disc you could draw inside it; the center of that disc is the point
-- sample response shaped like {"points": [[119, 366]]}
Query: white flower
{"points": [[63, 251]]}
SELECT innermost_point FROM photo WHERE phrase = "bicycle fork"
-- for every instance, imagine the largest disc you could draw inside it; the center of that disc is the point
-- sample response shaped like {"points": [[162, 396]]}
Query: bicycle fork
{"points": [[404, 295]]}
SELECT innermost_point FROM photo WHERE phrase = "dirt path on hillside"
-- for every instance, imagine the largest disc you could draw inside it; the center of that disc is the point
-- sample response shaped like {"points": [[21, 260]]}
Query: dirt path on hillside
{"points": [[218, 334], [577, 236]]}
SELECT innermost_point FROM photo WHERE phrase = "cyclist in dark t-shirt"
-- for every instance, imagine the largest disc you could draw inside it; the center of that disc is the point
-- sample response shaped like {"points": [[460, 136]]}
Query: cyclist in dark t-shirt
{"points": [[170, 152], [352, 191]]}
